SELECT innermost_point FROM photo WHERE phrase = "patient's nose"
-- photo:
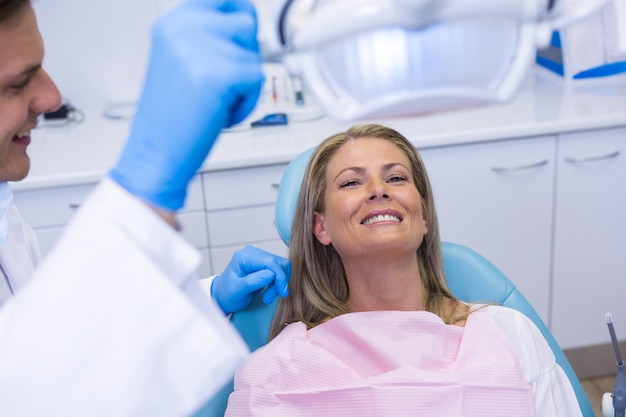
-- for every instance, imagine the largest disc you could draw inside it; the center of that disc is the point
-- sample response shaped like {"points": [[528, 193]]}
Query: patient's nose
{"points": [[378, 190]]}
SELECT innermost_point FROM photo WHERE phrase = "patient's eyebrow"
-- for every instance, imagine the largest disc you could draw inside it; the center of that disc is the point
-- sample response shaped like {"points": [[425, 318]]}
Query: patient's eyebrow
{"points": [[358, 170], [361, 170], [392, 165]]}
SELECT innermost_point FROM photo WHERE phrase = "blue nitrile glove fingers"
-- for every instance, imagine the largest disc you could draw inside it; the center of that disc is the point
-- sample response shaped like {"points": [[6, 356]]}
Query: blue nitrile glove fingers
{"points": [[249, 270], [204, 74]]}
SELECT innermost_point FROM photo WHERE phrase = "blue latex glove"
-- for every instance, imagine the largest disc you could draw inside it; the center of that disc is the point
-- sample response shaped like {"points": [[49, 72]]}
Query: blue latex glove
{"points": [[204, 74], [249, 270]]}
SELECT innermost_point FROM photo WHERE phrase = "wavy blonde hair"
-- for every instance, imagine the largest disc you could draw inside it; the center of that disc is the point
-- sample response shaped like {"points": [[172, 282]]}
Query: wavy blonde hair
{"points": [[318, 289]]}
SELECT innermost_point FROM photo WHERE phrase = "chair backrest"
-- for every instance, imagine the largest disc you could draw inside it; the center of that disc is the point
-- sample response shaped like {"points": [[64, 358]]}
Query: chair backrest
{"points": [[461, 266]]}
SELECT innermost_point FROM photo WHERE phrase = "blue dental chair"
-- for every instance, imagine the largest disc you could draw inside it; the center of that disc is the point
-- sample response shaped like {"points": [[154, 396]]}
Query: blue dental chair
{"points": [[461, 265]]}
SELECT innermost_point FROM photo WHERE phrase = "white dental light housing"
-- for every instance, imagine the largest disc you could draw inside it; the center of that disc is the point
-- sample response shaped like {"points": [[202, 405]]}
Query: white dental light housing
{"points": [[389, 58]]}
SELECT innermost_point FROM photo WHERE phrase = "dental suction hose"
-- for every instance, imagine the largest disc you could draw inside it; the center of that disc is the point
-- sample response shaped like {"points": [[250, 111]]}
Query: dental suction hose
{"points": [[619, 392], [619, 389]]}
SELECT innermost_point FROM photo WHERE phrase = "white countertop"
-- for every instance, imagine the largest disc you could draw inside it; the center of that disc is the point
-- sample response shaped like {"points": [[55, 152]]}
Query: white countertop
{"points": [[82, 153]]}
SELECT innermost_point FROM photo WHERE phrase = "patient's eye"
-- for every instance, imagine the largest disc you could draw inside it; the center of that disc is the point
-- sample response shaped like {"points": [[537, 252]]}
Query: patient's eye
{"points": [[349, 183], [397, 178]]}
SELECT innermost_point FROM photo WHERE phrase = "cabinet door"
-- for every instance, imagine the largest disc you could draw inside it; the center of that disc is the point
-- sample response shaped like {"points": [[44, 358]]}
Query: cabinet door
{"points": [[496, 198], [590, 237]]}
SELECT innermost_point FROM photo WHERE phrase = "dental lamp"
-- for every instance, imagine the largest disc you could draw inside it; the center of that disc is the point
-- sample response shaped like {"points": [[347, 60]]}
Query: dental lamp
{"points": [[391, 58]]}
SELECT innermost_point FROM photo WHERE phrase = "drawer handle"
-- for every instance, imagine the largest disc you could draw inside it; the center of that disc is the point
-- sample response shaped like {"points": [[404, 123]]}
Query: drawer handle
{"points": [[611, 155], [521, 167], [74, 206], [275, 185]]}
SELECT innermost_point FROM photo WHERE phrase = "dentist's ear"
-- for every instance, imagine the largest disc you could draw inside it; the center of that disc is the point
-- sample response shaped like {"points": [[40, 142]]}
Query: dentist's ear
{"points": [[319, 229]]}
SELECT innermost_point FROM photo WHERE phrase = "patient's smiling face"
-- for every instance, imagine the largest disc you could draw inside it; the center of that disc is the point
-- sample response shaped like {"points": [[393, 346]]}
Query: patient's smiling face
{"points": [[372, 205]]}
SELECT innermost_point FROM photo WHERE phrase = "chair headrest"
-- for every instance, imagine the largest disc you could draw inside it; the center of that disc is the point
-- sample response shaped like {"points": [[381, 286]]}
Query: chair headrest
{"points": [[288, 194]]}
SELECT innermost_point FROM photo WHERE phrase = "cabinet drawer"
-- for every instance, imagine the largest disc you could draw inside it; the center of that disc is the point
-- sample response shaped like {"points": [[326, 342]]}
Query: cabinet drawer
{"points": [[50, 206], [193, 226], [220, 257], [241, 226], [195, 197], [204, 270], [242, 187], [55, 206], [193, 229], [48, 237]]}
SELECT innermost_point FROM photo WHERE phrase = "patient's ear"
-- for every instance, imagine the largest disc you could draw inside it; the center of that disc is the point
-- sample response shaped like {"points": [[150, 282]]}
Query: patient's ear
{"points": [[424, 218], [319, 229]]}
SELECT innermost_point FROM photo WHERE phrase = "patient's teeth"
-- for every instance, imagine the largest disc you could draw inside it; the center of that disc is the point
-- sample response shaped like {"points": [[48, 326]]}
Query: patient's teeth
{"points": [[381, 218]]}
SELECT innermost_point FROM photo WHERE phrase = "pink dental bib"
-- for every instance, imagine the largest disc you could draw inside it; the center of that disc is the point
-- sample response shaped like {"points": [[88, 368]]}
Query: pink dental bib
{"points": [[388, 363]]}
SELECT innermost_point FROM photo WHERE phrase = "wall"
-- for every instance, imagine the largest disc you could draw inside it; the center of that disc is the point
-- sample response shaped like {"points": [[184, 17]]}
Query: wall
{"points": [[97, 50]]}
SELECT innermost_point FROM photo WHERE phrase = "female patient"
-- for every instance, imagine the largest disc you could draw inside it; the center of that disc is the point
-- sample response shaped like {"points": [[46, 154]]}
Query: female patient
{"points": [[369, 327]]}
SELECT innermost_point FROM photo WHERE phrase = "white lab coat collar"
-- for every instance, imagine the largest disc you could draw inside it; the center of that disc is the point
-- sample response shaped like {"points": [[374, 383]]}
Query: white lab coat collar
{"points": [[6, 198], [19, 255]]}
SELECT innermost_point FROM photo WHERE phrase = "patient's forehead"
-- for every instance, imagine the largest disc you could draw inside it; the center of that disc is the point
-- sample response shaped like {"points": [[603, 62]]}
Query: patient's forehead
{"points": [[366, 153]]}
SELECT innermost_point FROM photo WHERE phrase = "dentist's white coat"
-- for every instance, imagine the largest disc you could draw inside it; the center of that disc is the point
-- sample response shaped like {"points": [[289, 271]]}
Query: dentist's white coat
{"points": [[19, 256], [114, 322]]}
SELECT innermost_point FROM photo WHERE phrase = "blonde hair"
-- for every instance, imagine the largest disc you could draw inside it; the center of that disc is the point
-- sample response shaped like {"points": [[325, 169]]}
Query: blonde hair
{"points": [[318, 289]]}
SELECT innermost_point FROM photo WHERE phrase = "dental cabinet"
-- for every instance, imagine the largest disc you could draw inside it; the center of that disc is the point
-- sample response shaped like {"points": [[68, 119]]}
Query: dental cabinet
{"points": [[537, 185], [548, 211]]}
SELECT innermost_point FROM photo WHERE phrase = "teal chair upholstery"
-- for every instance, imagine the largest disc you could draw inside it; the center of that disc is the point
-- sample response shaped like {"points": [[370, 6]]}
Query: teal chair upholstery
{"points": [[470, 277]]}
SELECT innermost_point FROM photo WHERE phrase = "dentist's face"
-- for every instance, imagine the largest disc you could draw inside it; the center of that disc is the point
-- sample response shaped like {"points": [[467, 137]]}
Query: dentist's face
{"points": [[26, 91], [372, 205]]}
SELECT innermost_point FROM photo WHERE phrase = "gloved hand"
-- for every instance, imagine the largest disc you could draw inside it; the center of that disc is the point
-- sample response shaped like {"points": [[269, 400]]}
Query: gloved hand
{"points": [[249, 270], [204, 74]]}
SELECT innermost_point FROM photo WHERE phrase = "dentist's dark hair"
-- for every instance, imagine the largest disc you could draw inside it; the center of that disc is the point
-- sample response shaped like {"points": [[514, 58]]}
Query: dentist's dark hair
{"points": [[11, 8], [318, 289]]}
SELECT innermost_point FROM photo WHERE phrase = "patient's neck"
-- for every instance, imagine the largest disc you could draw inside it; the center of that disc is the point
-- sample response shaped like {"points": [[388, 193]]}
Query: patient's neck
{"points": [[378, 285]]}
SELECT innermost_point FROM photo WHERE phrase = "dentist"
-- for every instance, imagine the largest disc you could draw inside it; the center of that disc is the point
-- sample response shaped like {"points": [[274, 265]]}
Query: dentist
{"points": [[114, 321]]}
